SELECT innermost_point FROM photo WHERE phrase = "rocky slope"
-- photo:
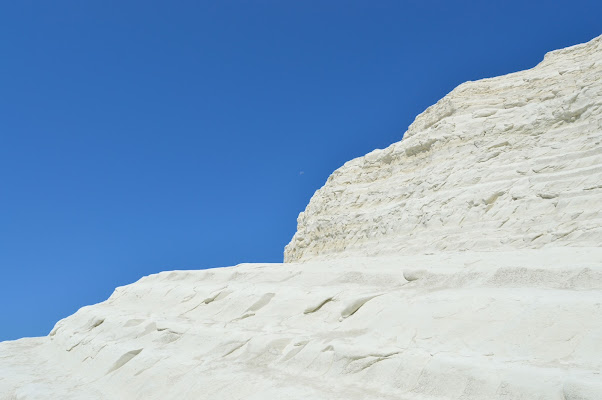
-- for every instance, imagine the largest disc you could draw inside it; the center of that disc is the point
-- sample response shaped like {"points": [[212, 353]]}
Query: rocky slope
{"points": [[501, 163], [464, 262]]}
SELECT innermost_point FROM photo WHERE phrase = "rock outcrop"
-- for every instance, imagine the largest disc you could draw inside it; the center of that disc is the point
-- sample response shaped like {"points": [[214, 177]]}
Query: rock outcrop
{"points": [[508, 162], [464, 262]]}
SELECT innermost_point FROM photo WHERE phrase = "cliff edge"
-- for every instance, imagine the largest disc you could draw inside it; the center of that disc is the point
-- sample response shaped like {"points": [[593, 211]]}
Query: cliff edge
{"points": [[502, 163]]}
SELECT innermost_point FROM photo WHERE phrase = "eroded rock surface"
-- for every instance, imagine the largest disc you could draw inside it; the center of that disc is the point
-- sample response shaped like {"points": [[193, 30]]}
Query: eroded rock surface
{"points": [[495, 325], [508, 162]]}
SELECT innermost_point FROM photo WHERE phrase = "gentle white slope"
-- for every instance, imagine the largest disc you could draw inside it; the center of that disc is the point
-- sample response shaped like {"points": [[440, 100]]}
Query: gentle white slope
{"points": [[464, 262], [516, 325]]}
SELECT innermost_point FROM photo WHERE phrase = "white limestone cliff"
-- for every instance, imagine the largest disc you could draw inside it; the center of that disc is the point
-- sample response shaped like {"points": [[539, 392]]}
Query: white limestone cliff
{"points": [[464, 262], [501, 163]]}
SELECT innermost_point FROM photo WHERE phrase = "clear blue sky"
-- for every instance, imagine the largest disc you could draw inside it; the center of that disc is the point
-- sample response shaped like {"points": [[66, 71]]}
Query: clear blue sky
{"points": [[141, 136]]}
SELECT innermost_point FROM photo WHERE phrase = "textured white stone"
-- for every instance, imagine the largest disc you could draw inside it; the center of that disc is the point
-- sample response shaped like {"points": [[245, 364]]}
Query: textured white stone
{"points": [[508, 162], [464, 262], [523, 324]]}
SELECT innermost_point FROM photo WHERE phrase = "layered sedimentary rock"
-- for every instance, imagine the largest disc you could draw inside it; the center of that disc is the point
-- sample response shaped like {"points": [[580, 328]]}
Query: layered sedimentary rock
{"points": [[508, 162], [464, 262]]}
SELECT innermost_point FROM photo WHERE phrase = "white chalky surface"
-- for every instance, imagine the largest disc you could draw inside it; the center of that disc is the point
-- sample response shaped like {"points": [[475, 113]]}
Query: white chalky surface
{"points": [[501, 163], [464, 262]]}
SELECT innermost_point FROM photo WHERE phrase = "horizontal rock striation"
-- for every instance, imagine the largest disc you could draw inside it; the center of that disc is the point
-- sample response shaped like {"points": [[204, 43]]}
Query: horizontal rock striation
{"points": [[508, 162]]}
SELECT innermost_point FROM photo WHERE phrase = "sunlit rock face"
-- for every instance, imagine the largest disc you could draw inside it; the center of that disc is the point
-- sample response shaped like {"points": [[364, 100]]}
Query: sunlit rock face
{"points": [[503, 163], [464, 263]]}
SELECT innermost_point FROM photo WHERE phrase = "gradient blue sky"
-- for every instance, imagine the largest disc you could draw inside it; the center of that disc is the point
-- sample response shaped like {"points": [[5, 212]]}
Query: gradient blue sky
{"points": [[141, 136]]}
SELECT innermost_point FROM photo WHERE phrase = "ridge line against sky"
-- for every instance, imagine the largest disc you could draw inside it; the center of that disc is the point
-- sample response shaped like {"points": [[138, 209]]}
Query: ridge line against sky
{"points": [[145, 136]]}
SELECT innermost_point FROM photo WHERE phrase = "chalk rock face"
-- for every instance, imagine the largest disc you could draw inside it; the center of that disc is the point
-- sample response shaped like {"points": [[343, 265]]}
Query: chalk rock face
{"points": [[501, 163], [494, 325], [464, 262]]}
